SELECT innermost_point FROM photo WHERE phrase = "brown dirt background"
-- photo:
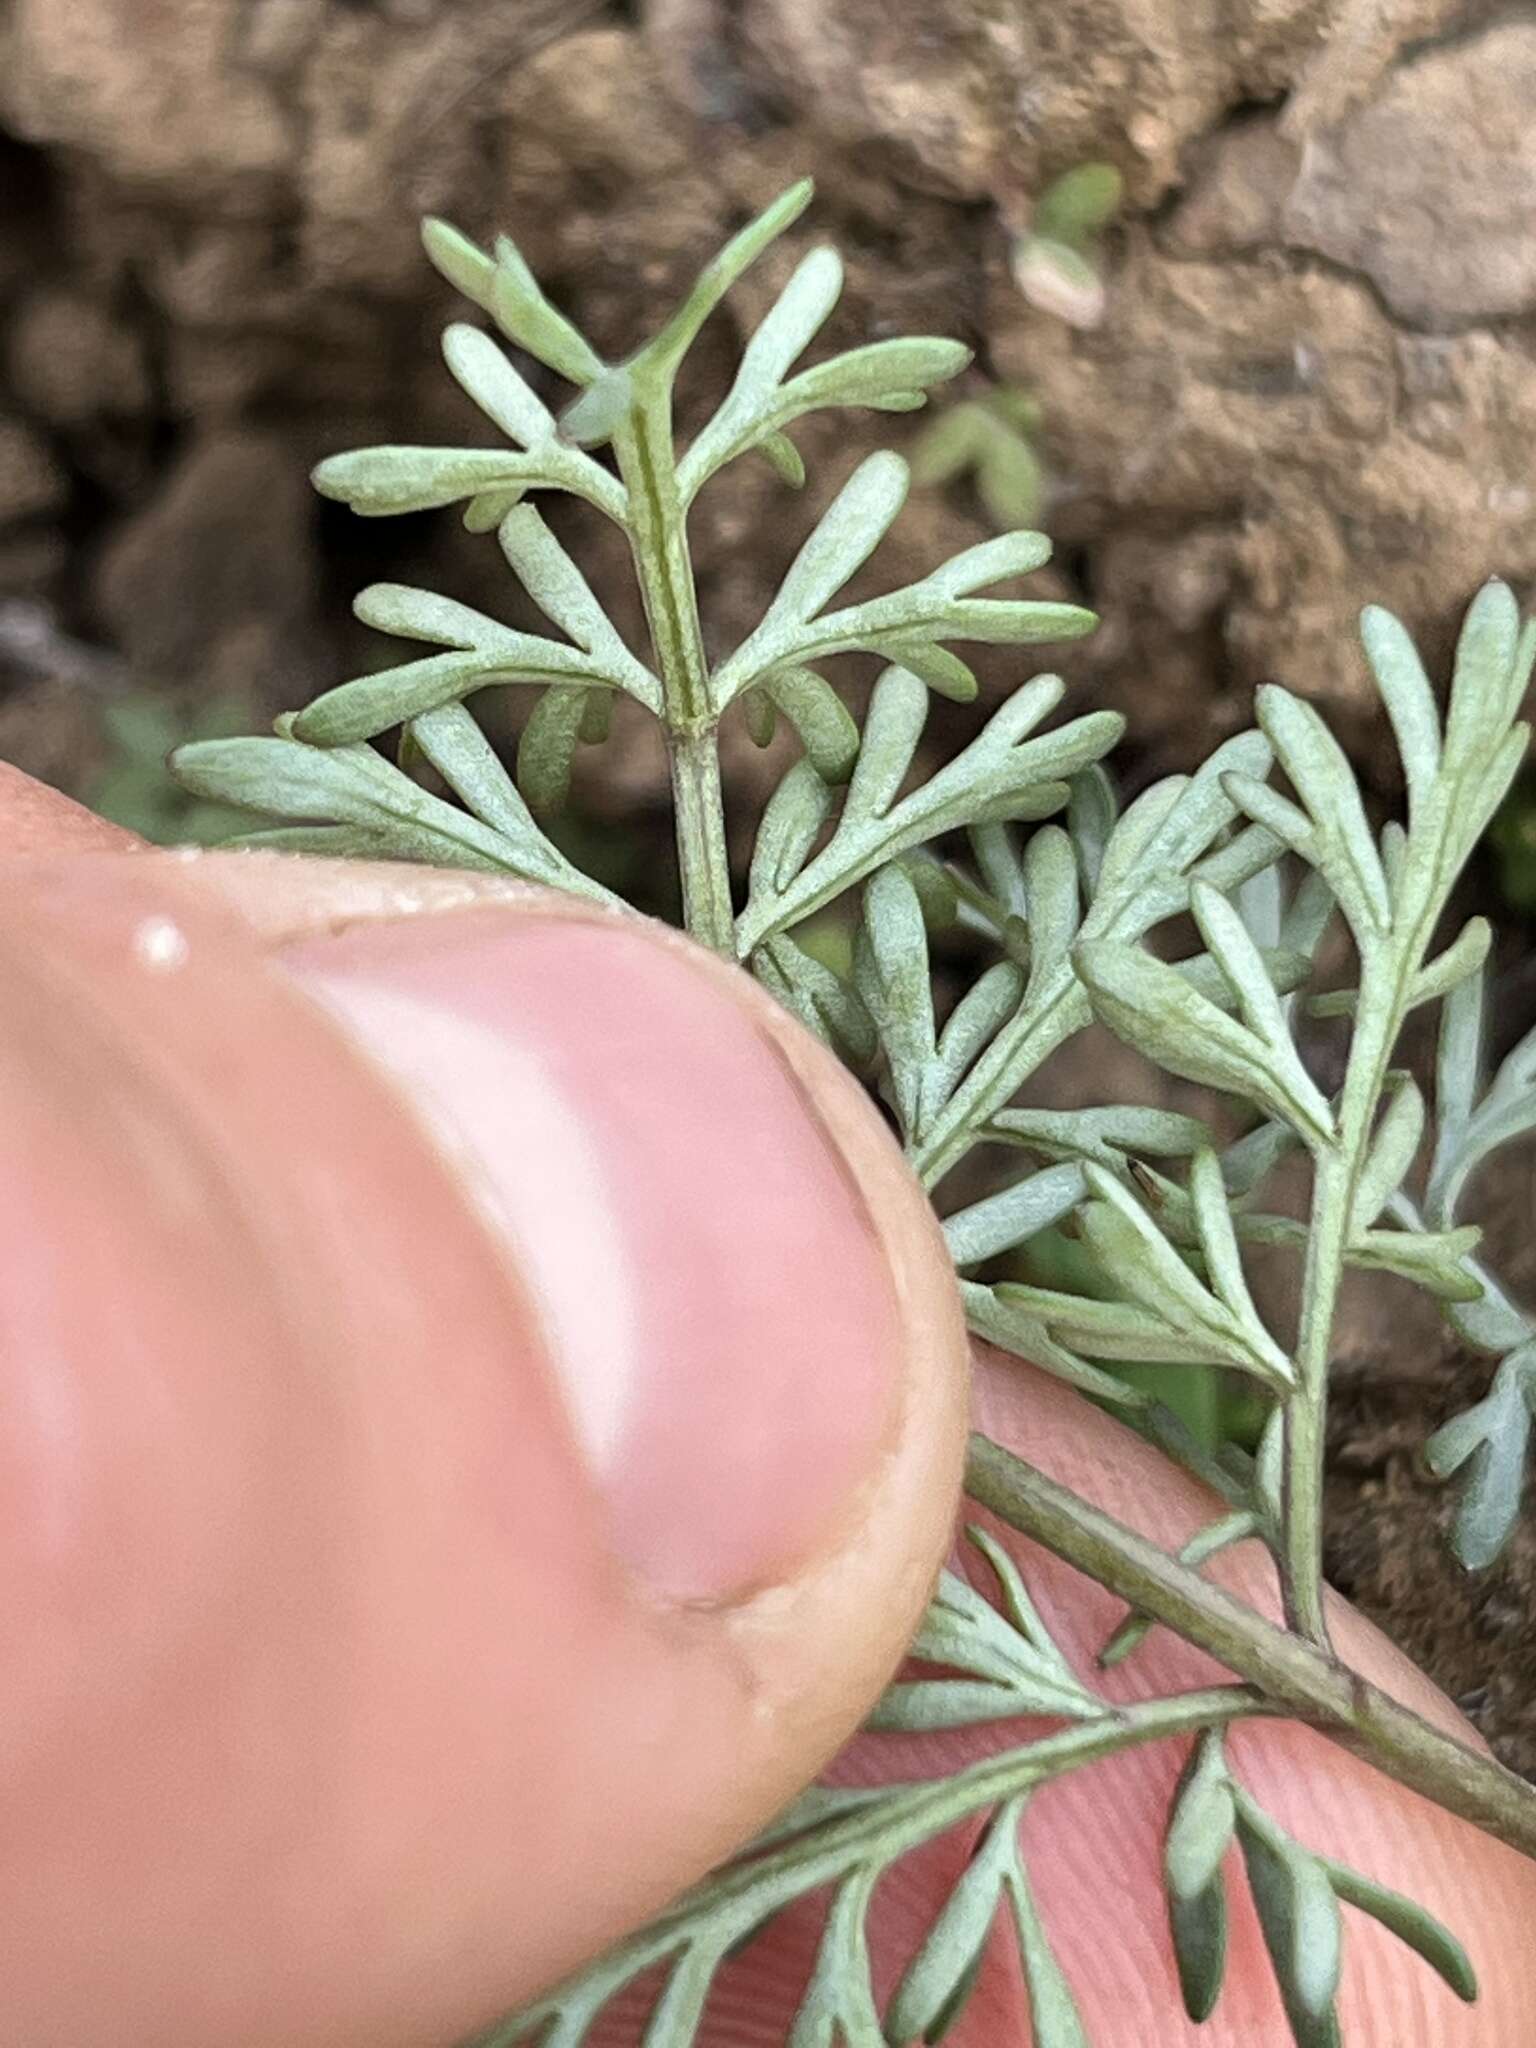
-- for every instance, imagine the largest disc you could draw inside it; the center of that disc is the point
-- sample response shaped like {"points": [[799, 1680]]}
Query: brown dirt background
{"points": [[1315, 383]]}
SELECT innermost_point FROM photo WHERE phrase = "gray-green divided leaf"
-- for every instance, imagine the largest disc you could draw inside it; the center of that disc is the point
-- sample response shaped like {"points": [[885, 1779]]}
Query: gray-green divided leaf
{"points": [[1053, 2012], [1485, 684], [563, 594], [1150, 1006], [1014, 1214], [1393, 1147], [1488, 1445], [1003, 773], [975, 1020], [481, 651], [827, 1005], [936, 1982], [1128, 1243], [1505, 1113], [838, 2009], [1325, 782], [1409, 699], [1011, 1664], [788, 829], [354, 786], [1201, 1828], [1014, 1327], [483, 373], [790, 325], [823, 721], [1410, 1922], [520, 309], [844, 538], [661, 356], [1106, 1135], [796, 630], [1299, 1916], [1127, 1331], [1464, 958], [1434, 1260], [546, 749], [378, 482], [893, 978]]}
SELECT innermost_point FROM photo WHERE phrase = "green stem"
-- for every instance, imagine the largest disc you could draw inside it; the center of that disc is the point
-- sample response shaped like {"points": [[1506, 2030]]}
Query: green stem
{"points": [[1294, 1676], [658, 534], [700, 811], [1023, 1044], [896, 1820], [1380, 1015], [907, 1815], [1306, 1413]]}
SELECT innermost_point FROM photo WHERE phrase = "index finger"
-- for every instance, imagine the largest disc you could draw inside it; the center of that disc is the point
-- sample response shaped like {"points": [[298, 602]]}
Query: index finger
{"points": [[37, 819]]}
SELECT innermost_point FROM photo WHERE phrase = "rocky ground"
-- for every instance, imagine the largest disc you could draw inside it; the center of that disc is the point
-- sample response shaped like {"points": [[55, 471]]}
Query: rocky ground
{"points": [[1313, 382]]}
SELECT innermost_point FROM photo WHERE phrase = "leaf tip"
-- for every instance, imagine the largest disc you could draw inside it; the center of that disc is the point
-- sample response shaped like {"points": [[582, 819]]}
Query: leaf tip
{"points": [[1269, 697], [330, 478], [885, 464]]}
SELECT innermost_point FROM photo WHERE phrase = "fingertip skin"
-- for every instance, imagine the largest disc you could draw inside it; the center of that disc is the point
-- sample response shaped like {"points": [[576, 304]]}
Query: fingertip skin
{"points": [[35, 819], [322, 1658]]}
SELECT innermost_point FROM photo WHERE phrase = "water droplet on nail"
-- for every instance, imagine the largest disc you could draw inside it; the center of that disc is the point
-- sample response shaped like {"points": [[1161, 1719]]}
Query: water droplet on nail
{"points": [[160, 944]]}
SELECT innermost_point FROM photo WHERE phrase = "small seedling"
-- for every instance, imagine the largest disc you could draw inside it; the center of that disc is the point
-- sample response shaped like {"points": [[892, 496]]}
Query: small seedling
{"points": [[991, 438], [1021, 837], [1056, 263]]}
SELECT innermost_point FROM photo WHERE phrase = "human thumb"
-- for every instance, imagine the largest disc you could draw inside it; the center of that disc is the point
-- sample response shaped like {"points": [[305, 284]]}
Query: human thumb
{"points": [[485, 1403]]}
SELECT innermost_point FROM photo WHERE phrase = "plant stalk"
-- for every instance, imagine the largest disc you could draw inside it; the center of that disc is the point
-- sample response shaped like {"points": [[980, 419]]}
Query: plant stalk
{"points": [[741, 1897], [1024, 1043], [1306, 1412], [700, 811], [1383, 983], [1296, 1676], [658, 536]]}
